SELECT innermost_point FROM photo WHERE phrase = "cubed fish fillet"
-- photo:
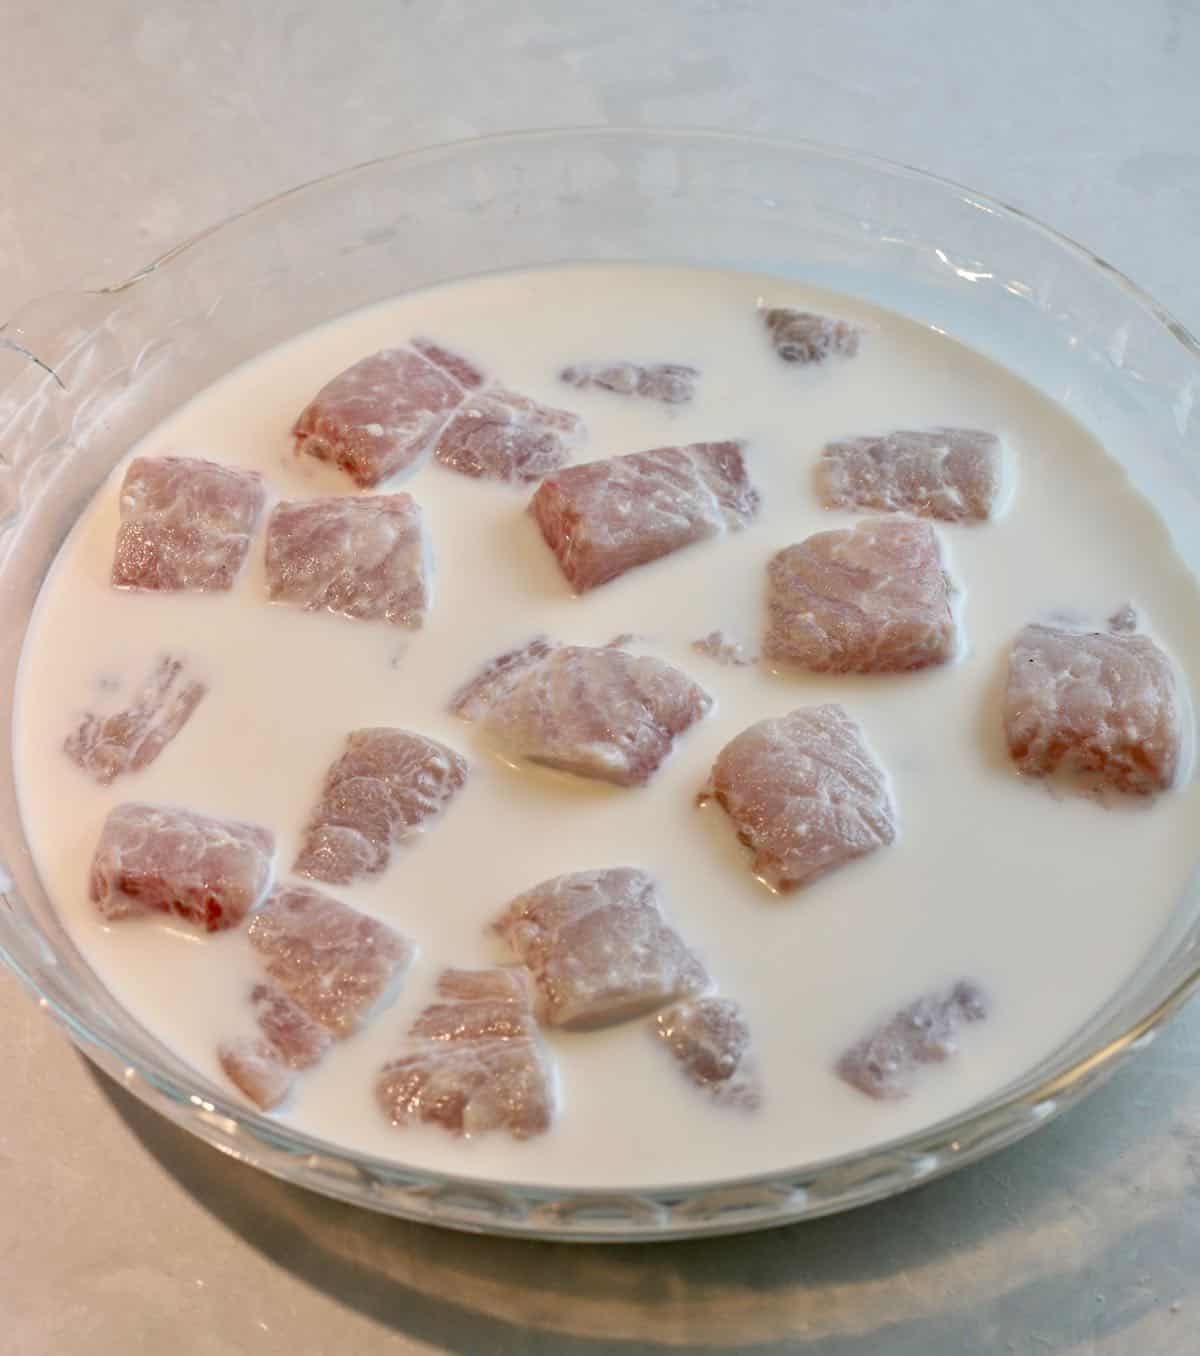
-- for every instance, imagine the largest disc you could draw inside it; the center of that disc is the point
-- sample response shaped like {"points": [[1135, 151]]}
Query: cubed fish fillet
{"points": [[186, 524], [885, 1063], [598, 947], [874, 598], [388, 786], [602, 518], [254, 1066], [954, 474], [594, 711], [158, 859], [364, 558], [710, 1039], [805, 793], [1097, 703], [670, 383], [337, 965], [130, 739], [264, 1066], [499, 435], [472, 1062], [381, 415], [804, 337]]}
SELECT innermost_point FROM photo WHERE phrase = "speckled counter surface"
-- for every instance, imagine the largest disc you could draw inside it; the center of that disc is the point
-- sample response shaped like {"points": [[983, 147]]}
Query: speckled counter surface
{"points": [[127, 126]]}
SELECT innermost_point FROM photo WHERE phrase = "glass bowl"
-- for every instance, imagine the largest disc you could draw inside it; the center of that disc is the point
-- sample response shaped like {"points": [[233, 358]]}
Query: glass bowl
{"points": [[83, 375]]}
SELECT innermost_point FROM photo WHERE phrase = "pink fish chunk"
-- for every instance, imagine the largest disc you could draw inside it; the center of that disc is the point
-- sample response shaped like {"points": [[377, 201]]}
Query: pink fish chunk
{"points": [[337, 965], [874, 598], [885, 1063], [472, 1062], [1094, 703], [805, 794], [264, 1066], [499, 435], [130, 739], [602, 518], [387, 787], [363, 558], [158, 859], [598, 948], [593, 711], [670, 383], [804, 337], [186, 524], [255, 1067], [954, 474], [710, 1039], [381, 415]]}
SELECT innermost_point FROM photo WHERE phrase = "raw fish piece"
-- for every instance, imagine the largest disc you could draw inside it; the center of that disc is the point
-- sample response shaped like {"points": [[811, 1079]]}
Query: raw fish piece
{"points": [[605, 517], [874, 598], [186, 524], [381, 415], [724, 649], [159, 859], [264, 1066], [336, 964], [594, 711], [672, 383], [130, 739], [499, 435], [388, 786], [885, 1063], [710, 1039], [472, 1062], [804, 337], [1097, 703], [300, 1041], [364, 558], [805, 793], [950, 473], [254, 1066], [598, 948]]}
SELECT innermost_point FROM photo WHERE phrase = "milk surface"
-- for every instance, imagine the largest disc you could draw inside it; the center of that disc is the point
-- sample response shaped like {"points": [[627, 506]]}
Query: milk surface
{"points": [[1047, 901]]}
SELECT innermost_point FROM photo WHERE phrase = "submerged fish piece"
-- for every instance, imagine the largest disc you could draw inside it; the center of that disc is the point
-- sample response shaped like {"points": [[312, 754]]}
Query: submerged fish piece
{"points": [[382, 414], [264, 1067], [805, 337], [594, 711], [499, 435], [337, 965], [724, 648], [710, 1040], [255, 1067], [105, 747], [472, 1062], [159, 859], [598, 947], [602, 518], [363, 558], [874, 598], [186, 524], [954, 474], [388, 786], [1104, 704], [671, 383], [805, 793], [885, 1063]]}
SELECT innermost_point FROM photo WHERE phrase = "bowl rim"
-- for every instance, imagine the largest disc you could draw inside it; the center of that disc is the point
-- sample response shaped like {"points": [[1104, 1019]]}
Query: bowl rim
{"points": [[1044, 1091]]}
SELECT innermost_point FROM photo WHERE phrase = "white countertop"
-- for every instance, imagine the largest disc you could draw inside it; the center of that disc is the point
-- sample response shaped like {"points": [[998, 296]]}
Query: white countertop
{"points": [[128, 126]]}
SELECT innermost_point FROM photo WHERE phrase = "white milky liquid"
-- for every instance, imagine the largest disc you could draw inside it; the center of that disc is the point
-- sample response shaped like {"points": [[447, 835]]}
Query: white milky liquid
{"points": [[1048, 903]]}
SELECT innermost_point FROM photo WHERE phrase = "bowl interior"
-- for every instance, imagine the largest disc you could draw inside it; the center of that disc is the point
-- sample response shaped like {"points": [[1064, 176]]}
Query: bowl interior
{"points": [[83, 376]]}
